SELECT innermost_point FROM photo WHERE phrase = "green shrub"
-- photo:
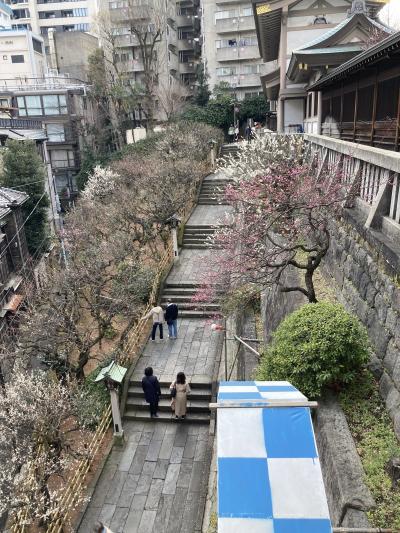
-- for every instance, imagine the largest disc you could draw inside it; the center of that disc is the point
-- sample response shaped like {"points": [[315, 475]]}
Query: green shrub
{"points": [[319, 345], [91, 399]]}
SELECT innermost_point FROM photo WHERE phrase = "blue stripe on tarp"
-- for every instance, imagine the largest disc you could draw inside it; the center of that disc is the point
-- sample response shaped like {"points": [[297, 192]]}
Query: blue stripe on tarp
{"points": [[302, 525], [288, 433], [278, 388], [239, 396], [243, 488]]}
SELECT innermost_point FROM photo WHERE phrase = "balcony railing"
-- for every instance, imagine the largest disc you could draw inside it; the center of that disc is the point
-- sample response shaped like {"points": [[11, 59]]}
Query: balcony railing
{"points": [[41, 84], [242, 80], [372, 173], [235, 24], [236, 53], [20, 123]]}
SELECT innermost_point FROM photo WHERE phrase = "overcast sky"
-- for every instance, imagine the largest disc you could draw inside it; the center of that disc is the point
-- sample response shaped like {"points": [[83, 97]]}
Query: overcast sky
{"points": [[390, 14]]}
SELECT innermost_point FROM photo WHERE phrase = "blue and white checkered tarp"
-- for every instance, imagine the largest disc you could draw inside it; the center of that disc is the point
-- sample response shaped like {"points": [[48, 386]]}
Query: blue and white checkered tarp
{"points": [[269, 475]]}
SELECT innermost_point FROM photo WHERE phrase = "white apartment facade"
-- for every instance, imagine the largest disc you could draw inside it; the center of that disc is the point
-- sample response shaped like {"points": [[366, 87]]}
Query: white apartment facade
{"points": [[62, 15], [21, 56], [230, 48]]}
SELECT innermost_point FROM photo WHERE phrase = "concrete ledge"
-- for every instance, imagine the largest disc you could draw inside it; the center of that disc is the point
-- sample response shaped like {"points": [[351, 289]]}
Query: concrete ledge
{"points": [[348, 496]]}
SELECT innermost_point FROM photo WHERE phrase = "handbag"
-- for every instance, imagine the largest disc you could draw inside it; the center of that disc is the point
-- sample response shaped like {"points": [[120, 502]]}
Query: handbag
{"points": [[173, 392]]}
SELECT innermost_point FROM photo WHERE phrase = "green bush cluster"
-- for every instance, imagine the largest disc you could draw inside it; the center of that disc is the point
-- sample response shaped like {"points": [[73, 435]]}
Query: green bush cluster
{"points": [[319, 345]]}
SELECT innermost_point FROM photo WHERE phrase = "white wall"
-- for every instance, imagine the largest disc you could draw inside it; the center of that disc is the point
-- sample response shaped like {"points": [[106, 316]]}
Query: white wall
{"points": [[293, 112]]}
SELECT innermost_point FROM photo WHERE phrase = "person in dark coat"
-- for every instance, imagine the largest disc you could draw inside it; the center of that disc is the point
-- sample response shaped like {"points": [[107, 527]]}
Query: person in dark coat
{"points": [[152, 391], [171, 318]]}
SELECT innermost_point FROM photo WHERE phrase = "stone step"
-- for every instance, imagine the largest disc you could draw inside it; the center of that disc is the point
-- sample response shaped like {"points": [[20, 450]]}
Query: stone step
{"points": [[189, 306], [201, 226], [195, 384], [194, 246], [211, 202], [181, 285], [193, 240], [190, 313], [144, 416], [205, 231], [193, 406], [178, 291], [202, 395]]}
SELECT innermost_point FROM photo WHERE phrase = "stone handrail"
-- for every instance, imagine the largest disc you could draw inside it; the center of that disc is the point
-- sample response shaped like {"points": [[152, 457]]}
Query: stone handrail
{"points": [[373, 171]]}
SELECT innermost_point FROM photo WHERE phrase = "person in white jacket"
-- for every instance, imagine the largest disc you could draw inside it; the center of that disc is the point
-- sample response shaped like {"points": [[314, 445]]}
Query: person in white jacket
{"points": [[157, 315], [99, 527]]}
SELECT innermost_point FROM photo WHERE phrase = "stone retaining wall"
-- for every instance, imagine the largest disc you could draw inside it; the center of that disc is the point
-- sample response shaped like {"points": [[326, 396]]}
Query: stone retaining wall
{"points": [[365, 267]]}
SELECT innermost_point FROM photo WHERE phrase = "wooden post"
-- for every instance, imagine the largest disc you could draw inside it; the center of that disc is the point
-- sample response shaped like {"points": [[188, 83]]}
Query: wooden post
{"points": [[374, 104], [355, 112], [396, 142]]}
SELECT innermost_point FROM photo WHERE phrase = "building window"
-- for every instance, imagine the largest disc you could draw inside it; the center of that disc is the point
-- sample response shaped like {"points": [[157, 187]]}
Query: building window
{"points": [[62, 158], [50, 104], [250, 69], [226, 71], [247, 12], [54, 104], [18, 59], [228, 14], [55, 132], [37, 45], [29, 106]]}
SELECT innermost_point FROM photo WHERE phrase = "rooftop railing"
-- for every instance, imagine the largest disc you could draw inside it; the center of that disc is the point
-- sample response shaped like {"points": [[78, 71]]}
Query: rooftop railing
{"points": [[41, 84], [20, 123]]}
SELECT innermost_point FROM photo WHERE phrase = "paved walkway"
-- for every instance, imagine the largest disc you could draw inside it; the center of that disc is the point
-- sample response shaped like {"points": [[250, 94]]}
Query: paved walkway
{"points": [[158, 482]]}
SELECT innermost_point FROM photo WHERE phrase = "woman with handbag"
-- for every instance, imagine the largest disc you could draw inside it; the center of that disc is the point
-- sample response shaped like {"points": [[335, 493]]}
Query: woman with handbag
{"points": [[179, 391]]}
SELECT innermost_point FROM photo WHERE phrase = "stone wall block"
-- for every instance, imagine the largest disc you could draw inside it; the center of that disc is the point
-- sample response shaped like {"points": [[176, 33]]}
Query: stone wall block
{"points": [[370, 294], [393, 401], [379, 336], [391, 357], [395, 300], [385, 385], [389, 290], [392, 320], [375, 366], [381, 307], [363, 285], [396, 369]]}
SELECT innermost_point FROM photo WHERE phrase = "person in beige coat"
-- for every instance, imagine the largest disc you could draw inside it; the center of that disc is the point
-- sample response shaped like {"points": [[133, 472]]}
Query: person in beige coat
{"points": [[157, 315], [179, 391]]}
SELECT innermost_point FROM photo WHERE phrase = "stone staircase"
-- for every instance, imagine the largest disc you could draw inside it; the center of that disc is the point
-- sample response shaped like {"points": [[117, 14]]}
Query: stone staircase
{"points": [[196, 236], [229, 150], [212, 192], [198, 411], [182, 294]]}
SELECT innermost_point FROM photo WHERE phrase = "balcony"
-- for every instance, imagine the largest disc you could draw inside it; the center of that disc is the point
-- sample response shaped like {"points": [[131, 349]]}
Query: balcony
{"points": [[242, 80], [184, 21], [235, 24], [237, 53], [126, 40], [130, 66], [186, 44], [187, 68]]}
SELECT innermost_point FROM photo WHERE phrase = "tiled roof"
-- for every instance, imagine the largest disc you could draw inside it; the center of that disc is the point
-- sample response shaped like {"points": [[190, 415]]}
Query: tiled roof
{"points": [[10, 197]]}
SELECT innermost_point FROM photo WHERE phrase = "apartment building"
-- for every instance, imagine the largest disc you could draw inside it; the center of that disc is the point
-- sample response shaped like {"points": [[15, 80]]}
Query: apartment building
{"points": [[177, 51], [230, 48], [187, 22], [5, 16], [62, 15], [21, 55], [63, 108]]}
